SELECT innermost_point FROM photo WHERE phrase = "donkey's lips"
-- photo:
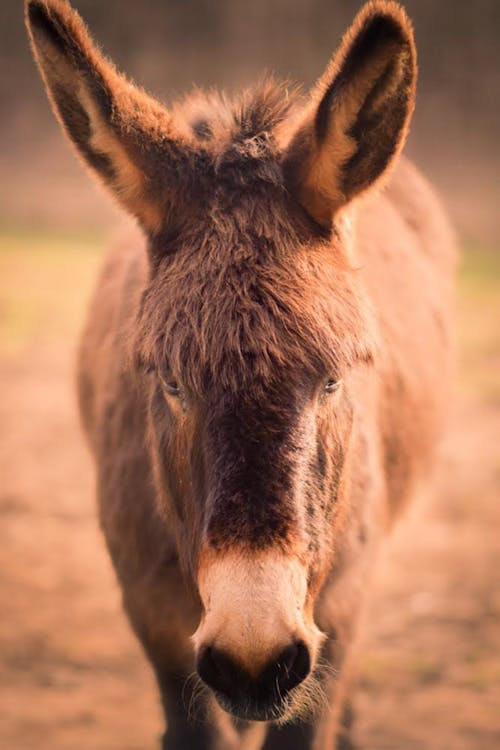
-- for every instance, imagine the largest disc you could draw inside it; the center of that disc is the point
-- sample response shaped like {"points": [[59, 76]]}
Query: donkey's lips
{"points": [[252, 710]]}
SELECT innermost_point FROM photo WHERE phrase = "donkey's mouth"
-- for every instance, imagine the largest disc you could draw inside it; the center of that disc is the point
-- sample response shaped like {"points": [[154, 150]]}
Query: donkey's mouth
{"points": [[255, 709], [267, 696]]}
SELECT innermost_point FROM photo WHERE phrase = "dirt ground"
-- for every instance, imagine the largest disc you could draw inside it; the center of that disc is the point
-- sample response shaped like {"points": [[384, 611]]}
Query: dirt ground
{"points": [[72, 677]]}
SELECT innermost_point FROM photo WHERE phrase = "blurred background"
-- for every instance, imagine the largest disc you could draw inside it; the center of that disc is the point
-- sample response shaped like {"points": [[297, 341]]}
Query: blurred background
{"points": [[71, 675], [170, 45]]}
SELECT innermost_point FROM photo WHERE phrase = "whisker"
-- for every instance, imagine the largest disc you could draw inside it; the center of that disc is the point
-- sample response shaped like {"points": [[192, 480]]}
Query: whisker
{"points": [[196, 710]]}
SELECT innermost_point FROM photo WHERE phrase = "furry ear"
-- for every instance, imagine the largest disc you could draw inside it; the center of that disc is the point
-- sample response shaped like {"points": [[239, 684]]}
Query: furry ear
{"points": [[126, 137], [359, 113]]}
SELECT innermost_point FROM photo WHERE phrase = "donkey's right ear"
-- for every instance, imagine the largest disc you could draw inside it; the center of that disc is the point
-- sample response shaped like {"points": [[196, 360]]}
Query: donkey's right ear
{"points": [[357, 118], [118, 130]]}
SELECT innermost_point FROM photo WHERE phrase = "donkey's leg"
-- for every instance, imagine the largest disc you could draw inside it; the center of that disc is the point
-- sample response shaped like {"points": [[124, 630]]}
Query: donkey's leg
{"points": [[302, 736], [185, 730], [324, 731], [195, 726], [164, 613], [290, 737], [344, 739]]}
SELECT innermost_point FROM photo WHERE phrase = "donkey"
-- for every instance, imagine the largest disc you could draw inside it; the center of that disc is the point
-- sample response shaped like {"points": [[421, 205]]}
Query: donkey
{"points": [[264, 371]]}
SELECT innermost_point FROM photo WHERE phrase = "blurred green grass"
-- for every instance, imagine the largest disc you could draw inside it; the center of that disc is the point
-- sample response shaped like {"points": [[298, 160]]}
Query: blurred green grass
{"points": [[46, 280], [478, 311]]}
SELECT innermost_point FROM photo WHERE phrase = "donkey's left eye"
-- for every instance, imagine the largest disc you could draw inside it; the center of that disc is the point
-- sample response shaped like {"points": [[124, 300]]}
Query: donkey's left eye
{"points": [[171, 387], [333, 385]]}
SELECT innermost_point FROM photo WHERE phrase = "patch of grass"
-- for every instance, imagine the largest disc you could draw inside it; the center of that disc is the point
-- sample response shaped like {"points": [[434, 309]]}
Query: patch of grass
{"points": [[480, 267], [478, 327], [45, 282], [426, 670]]}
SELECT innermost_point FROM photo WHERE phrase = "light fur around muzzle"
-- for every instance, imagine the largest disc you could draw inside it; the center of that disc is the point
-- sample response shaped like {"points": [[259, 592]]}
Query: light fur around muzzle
{"points": [[255, 604]]}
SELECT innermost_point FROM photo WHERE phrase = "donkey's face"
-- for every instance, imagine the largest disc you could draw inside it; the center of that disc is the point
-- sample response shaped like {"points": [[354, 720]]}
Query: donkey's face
{"points": [[250, 419], [251, 324]]}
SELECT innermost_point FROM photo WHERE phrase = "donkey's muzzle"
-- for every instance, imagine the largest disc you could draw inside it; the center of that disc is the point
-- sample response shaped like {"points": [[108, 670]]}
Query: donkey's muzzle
{"points": [[254, 698]]}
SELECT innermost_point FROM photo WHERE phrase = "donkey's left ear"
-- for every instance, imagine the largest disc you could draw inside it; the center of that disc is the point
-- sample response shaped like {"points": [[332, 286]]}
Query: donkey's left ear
{"points": [[128, 139], [358, 117]]}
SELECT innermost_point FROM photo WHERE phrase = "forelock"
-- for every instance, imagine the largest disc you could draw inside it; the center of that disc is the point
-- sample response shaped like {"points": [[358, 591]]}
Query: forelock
{"points": [[215, 117], [245, 301]]}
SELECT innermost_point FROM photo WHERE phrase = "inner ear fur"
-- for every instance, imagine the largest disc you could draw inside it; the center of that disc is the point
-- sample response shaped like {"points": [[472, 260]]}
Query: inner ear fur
{"points": [[121, 133], [358, 116]]}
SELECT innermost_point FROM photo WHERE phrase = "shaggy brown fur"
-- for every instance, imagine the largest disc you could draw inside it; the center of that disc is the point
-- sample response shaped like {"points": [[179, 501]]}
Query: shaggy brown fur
{"points": [[359, 113], [263, 374]]}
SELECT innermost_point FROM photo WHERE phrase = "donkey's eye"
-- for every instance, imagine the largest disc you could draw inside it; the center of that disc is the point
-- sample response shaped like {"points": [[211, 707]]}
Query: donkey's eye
{"points": [[170, 386], [333, 385]]}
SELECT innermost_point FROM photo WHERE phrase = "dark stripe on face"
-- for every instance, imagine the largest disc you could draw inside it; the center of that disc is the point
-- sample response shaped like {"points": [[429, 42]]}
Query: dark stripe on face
{"points": [[320, 467], [325, 470], [251, 456]]}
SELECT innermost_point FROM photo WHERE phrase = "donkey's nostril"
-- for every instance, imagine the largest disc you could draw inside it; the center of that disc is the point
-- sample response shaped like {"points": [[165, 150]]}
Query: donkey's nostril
{"points": [[290, 668], [298, 664], [219, 671]]}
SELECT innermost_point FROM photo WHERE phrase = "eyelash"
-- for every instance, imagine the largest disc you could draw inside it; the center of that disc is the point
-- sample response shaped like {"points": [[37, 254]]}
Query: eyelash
{"points": [[173, 389], [333, 385], [170, 386]]}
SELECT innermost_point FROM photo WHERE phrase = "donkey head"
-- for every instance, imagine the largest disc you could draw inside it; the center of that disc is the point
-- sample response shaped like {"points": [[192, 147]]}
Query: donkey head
{"points": [[252, 327]]}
